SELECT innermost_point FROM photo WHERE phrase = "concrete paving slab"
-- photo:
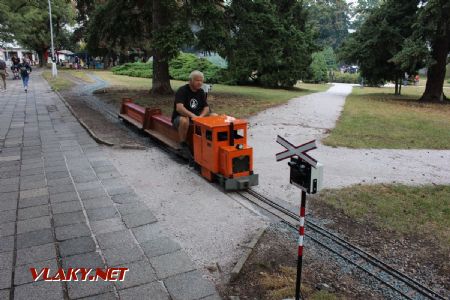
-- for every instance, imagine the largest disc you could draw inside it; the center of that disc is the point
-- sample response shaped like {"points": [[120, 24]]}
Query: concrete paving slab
{"points": [[5, 278], [140, 272], [143, 217], [98, 202], [7, 229], [22, 273], [7, 216], [69, 218], [86, 260], [189, 286], [76, 246], [171, 264], [34, 238], [79, 289], [107, 225], [155, 289], [122, 254], [72, 231], [4, 294], [98, 214], [160, 247], [33, 212], [35, 254], [6, 243], [33, 201], [33, 224], [66, 207], [115, 238], [39, 290], [106, 296], [6, 260]]}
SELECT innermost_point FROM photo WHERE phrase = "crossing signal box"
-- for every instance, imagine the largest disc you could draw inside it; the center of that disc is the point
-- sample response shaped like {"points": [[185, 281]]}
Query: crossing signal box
{"points": [[305, 176]]}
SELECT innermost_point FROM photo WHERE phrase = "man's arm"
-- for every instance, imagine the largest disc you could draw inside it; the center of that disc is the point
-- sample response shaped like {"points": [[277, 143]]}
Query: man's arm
{"points": [[205, 111], [184, 112]]}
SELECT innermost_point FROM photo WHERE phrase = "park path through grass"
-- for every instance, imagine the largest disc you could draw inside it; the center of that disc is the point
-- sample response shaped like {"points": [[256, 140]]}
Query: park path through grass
{"points": [[238, 101]]}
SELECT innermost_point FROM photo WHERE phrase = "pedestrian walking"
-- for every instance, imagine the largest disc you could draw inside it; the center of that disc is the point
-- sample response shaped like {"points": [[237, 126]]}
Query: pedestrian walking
{"points": [[3, 73], [25, 70]]}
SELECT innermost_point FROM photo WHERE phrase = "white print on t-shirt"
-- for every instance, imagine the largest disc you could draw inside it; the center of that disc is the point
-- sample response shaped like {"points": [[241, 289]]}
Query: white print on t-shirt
{"points": [[193, 103]]}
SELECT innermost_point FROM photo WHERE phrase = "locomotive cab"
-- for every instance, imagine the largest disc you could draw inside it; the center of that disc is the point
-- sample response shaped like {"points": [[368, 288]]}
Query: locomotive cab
{"points": [[221, 150]]}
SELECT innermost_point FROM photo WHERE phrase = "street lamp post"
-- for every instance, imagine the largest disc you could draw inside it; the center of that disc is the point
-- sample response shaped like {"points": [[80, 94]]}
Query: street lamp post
{"points": [[54, 70]]}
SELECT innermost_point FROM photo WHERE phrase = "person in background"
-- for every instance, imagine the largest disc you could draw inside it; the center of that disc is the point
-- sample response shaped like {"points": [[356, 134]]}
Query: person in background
{"points": [[416, 80], [3, 73], [25, 70]]}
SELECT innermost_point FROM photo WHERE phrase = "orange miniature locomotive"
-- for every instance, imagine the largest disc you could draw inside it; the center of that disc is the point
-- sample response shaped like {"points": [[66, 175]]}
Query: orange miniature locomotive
{"points": [[219, 143]]}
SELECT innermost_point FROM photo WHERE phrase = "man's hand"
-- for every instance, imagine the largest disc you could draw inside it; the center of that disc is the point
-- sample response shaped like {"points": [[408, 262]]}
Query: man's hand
{"points": [[184, 112], [205, 111]]}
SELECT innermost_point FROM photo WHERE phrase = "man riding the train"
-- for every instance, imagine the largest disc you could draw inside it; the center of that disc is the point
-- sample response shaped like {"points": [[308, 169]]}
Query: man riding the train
{"points": [[190, 102]]}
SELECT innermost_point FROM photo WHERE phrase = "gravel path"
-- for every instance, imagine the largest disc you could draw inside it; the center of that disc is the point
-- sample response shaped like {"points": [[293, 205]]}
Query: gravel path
{"points": [[310, 117]]}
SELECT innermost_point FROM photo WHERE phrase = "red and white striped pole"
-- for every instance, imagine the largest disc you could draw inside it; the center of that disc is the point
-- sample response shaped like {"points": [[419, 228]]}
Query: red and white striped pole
{"points": [[301, 234]]}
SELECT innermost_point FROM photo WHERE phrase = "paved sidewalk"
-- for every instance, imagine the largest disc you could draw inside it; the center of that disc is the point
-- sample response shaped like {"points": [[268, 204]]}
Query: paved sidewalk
{"points": [[63, 204]]}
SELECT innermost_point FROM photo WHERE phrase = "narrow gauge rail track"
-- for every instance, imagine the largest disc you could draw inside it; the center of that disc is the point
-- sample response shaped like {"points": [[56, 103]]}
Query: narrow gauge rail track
{"points": [[399, 282]]}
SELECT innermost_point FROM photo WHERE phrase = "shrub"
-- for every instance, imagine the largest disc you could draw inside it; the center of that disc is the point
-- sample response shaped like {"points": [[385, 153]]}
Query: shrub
{"points": [[136, 69], [179, 68], [345, 77], [318, 70]]}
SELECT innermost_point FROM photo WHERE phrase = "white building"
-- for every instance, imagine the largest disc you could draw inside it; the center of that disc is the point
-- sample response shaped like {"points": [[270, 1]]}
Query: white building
{"points": [[8, 51]]}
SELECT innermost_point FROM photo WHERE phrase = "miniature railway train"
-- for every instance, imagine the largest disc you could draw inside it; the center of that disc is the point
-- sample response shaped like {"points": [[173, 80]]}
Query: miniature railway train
{"points": [[218, 143]]}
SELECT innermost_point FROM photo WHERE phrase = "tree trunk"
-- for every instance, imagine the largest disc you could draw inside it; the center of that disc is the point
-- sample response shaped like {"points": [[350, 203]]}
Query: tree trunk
{"points": [[41, 57], [399, 90], [106, 60], [396, 86], [434, 91], [161, 78]]}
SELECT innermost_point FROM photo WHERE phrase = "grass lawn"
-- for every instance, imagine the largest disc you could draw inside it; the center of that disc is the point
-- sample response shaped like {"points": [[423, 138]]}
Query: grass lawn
{"points": [[375, 118], [404, 209], [58, 83], [239, 101], [80, 74]]}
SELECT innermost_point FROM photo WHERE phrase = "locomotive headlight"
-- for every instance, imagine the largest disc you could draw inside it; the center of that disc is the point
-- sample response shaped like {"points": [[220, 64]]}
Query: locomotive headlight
{"points": [[239, 146]]}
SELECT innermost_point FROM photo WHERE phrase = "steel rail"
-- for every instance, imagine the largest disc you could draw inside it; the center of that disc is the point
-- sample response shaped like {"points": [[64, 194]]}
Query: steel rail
{"points": [[353, 249]]}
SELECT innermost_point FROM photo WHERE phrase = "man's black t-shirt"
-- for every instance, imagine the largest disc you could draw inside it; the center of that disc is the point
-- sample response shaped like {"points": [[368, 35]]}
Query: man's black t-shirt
{"points": [[192, 101]]}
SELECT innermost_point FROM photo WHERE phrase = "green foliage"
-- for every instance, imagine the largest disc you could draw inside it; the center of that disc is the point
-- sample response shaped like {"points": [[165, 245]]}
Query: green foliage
{"points": [[268, 44], [27, 22], [179, 68], [330, 58], [330, 19], [323, 68], [380, 38], [362, 10], [5, 26], [345, 77], [319, 69], [136, 69], [158, 27]]}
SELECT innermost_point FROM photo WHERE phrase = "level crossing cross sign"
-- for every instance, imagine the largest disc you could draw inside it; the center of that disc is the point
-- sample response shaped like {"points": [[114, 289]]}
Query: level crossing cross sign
{"points": [[299, 151]]}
